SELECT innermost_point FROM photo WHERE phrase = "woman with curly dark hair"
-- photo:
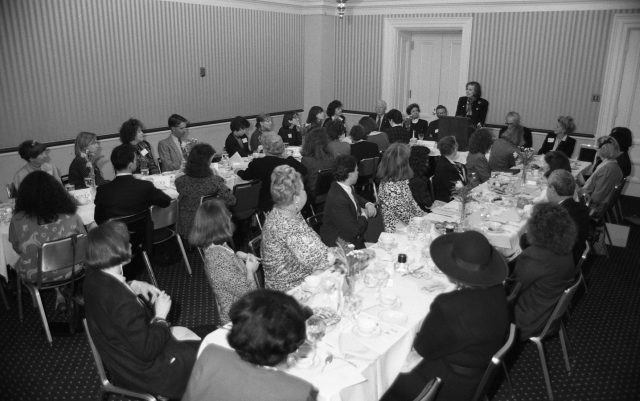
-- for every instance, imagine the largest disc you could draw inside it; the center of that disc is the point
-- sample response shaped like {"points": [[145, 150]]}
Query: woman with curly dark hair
{"points": [[44, 212], [315, 156], [479, 145], [416, 126], [315, 118], [419, 184], [131, 133], [199, 180], [546, 268], [267, 326]]}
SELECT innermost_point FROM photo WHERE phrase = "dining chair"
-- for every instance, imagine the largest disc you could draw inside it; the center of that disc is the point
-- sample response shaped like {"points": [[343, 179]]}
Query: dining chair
{"points": [[247, 201], [11, 191], [315, 222], [583, 259], [164, 228], [429, 391], [3, 295], [140, 229], [323, 183], [255, 246], [65, 179], [496, 361], [106, 387], [367, 169], [555, 321], [54, 256]]}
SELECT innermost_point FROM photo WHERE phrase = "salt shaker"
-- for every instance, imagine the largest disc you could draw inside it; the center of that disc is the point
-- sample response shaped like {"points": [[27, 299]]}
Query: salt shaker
{"points": [[401, 265]]}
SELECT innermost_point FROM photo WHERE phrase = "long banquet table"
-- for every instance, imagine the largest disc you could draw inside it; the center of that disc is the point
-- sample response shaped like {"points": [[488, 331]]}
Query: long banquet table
{"points": [[363, 366]]}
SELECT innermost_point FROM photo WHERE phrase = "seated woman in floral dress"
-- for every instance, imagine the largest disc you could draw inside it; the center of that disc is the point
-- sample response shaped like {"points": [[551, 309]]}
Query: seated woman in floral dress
{"points": [[230, 274], [398, 205], [291, 250]]}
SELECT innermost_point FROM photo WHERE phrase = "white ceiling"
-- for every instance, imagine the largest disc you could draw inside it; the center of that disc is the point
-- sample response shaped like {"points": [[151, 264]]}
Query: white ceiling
{"points": [[363, 7]]}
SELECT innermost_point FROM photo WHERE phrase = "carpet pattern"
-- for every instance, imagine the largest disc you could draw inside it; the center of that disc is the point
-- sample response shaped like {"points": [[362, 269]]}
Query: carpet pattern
{"points": [[604, 330]]}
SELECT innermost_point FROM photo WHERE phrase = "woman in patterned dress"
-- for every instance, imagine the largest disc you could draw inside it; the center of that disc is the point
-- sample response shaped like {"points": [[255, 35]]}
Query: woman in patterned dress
{"points": [[291, 250], [199, 180], [394, 172], [230, 274], [44, 212]]}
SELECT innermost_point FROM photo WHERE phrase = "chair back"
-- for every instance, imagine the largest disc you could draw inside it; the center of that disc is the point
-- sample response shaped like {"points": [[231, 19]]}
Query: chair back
{"points": [[164, 216], [255, 246], [587, 153], [140, 228], [65, 179], [247, 199], [205, 198], [315, 222], [102, 373], [11, 191], [160, 167], [560, 309], [61, 254], [494, 365], [430, 390], [368, 167], [323, 183], [584, 256]]}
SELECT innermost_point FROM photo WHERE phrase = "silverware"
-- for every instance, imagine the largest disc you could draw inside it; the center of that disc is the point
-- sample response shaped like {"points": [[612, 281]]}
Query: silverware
{"points": [[327, 361]]}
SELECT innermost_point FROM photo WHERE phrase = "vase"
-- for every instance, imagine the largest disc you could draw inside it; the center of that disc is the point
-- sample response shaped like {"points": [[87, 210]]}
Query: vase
{"points": [[524, 175], [463, 224]]}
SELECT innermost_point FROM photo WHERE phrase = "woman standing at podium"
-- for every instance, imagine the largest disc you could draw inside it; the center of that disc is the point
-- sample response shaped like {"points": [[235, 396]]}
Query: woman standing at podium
{"points": [[473, 106]]}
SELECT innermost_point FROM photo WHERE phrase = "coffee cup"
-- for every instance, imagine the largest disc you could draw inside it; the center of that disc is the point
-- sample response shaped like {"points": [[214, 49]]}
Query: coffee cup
{"points": [[366, 325], [388, 297]]}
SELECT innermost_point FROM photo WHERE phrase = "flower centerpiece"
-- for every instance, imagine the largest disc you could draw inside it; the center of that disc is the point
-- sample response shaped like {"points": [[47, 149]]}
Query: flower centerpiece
{"points": [[524, 156], [462, 193], [351, 261]]}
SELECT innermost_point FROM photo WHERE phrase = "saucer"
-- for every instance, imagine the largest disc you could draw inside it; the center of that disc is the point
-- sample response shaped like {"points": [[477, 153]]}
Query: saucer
{"points": [[374, 333]]}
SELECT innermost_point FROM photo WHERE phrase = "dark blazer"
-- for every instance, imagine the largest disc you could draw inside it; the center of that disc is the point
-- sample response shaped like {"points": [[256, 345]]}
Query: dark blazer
{"points": [[445, 178], [261, 169], [291, 136], [384, 124], [341, 219], [422, 126], [433, 131], [126, 195], [419, 186], [139, 355], [565, 146], [398, 134], [528, 137], [231, 145], [78, 171], [364, 150], [544, 276], [478, 163], [479, 109], [461, 332]]}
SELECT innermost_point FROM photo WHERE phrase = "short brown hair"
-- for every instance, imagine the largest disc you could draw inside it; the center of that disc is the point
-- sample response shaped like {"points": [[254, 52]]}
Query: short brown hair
{"points": [[551, 227], [211, 225], [108, 245]]}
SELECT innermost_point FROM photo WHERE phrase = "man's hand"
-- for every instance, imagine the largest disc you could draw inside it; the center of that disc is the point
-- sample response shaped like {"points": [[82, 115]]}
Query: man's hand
{"points": [[370, 209], [146, 290]]}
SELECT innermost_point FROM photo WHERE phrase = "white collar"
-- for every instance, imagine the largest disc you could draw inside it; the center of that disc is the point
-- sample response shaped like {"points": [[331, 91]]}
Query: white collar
{"points": [[121, 174]]}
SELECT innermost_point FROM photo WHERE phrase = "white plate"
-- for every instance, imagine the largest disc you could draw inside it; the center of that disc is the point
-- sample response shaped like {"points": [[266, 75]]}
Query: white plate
{"points": [[393, 317], [374, 333]]}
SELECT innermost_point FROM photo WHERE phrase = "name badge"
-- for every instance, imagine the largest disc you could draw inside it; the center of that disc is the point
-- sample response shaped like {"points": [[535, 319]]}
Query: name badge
{"points": [[144, 152], [551, 140], [290, 136], [244, 140], [437, 130]]}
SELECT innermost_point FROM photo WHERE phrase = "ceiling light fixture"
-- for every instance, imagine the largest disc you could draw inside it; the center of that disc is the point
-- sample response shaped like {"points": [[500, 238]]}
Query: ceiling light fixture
{"points": [[341, 8]]}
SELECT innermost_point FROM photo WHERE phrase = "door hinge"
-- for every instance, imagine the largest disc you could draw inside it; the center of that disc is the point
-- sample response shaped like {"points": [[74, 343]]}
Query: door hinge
{"points": [[409, 93]]}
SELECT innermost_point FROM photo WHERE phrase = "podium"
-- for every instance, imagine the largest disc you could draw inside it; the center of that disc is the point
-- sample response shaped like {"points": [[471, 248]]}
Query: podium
{"points": [[460, 127]]}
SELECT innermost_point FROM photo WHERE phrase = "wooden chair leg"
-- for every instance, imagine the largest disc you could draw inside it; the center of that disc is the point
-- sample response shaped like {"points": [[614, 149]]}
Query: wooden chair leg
{"points": [[184, 254], [43, 317]]}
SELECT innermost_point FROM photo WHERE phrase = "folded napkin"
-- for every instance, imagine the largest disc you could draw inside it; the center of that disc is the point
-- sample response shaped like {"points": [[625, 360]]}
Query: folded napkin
{"points": [[236, 158], [83, 196], [181, 333]]}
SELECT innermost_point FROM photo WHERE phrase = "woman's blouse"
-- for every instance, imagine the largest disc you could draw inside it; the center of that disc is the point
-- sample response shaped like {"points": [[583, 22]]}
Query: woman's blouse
{"points": [[82, 168], [27, 237], [477, 163], [191, 189], [291, 250], [290, 136], [25, 170], [227, 276], [254, 141], [144, 154], [398, 205], [601, 184], [418, 127]]}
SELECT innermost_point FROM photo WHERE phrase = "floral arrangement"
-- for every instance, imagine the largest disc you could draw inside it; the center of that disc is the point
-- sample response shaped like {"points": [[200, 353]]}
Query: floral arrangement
{"points": [[462, 193], [525, 156], [188, 144]]}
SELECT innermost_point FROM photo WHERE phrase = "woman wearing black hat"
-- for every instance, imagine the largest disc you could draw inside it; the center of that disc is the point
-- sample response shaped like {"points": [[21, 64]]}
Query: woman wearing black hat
{"points": [[463, 328]]}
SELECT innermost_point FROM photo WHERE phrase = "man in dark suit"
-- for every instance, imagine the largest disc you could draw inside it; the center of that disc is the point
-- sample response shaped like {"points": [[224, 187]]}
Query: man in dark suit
{"points": [[238, 141], [380, 116], [433, 131], [345, 213], [448, 171], [513, 118], [126, 195]]}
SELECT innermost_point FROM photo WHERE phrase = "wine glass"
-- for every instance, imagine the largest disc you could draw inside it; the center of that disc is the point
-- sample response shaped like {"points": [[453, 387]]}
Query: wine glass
{"points": [[316, 329]]}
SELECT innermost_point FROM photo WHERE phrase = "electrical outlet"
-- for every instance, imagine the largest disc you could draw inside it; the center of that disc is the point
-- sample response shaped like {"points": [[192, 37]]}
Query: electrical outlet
{"points": [[203, 71], [595, 98]]}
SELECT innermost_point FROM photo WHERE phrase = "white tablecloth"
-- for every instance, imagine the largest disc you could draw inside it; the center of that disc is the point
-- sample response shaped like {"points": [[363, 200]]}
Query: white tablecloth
{"points": [[386, 353], [433, 150]]}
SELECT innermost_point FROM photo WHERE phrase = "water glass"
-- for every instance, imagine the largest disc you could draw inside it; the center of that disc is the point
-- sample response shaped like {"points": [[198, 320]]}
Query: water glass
{"points": [[420, 136], [70, 187], [144, 171], [316, 329], [89, 182]]}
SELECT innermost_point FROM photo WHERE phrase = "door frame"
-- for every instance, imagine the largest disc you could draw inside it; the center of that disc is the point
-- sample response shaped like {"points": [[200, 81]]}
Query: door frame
{"points": [[390, 53]]}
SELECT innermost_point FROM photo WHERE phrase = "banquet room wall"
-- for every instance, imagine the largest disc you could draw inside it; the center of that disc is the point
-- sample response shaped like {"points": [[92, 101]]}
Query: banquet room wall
{"points": [[88, 65], [543, 64]]}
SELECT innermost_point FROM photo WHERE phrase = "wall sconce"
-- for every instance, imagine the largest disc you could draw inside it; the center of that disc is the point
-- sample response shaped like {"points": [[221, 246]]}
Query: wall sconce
{"points": [[341, 7]]}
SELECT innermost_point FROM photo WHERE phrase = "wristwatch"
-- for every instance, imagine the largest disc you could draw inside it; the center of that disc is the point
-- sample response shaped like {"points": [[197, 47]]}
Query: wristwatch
{"points": [[160, 320]]}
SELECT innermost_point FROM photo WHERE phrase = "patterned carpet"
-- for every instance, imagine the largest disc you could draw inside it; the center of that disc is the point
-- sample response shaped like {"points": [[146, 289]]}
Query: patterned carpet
{"points": [[604, 330]]}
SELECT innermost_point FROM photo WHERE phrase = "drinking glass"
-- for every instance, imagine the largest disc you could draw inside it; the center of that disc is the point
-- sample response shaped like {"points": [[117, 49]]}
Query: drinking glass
{"points": [[144, 171], [420, 136], [89, 181], [316, 329], [352, 306]]}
